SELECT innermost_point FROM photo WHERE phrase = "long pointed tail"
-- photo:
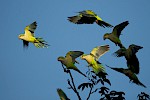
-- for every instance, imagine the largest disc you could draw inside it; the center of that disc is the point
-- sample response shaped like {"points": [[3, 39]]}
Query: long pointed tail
{"points": [[103, 23], [138, 83], [120, 45], [80, 72], [40, 43]]}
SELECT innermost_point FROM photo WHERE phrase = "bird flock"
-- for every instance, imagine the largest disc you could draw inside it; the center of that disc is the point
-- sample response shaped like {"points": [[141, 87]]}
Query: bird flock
{"points": [[89, 17]]}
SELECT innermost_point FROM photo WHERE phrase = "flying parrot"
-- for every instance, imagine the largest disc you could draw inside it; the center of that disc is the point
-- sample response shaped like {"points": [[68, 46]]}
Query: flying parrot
{"points": [[88, 17], [92, 58], [115, 34], [132, 76], [28, 36], [62, 95], [69, 60], [130, 55]]}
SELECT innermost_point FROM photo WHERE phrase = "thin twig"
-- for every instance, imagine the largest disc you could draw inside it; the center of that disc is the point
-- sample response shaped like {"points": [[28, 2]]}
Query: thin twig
{"points": [[89, 93], [74, 87], [71, 85]]}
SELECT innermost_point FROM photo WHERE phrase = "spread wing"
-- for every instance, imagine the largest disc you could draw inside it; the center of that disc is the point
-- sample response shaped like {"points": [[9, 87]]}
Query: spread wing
{"points": [[81, 19], [88, 13], [120, 52], [135, 48], [29, 30], [98, 51], [118, 28], [74, 54]]}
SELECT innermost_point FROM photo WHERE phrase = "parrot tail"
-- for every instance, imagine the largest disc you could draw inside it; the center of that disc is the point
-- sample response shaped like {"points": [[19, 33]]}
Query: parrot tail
{"points": [[138, 83], [97, 68], [40, 43], [103, 24], [120, 45], [80, 72]]}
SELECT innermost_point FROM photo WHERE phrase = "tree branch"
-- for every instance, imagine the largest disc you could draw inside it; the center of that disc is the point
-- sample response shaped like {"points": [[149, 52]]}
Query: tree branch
{"points": [[89, 93], [74, 87]]}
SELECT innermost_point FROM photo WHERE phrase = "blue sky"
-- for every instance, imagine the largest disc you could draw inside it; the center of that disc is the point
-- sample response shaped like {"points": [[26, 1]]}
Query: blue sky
{"points": [[35, 74]]}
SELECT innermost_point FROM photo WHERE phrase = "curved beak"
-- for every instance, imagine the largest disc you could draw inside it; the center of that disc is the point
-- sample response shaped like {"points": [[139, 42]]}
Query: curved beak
{"points": [[104, 38]]}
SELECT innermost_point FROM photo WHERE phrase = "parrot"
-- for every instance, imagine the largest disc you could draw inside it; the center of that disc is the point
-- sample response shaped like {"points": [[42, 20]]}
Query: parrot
{"points": [[132, 76], [28, 36], [88, 17], [92, 59], [62, 95], [130, 55], [115, 34], [69, 60]]}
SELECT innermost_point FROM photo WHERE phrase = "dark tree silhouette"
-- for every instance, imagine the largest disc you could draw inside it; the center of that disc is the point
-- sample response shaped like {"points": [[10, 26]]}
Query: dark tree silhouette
{"points": [[143, 96]]}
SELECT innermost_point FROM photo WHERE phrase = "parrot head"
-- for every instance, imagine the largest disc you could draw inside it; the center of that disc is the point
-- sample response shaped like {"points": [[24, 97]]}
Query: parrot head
{"points": [[21, 36], [60, 58], [83, 57], [106, 36]]}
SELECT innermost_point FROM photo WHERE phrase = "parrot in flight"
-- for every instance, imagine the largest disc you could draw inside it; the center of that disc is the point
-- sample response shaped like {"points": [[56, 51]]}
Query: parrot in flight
{"points": [[88, 17], [62, 94], [131, 75], [130, 55], [69, 60], [92, 59], [115, 34], [28, 36]]}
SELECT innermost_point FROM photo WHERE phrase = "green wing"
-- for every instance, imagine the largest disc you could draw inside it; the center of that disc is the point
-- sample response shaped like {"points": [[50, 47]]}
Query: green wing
{"points": [[98, 20], [29, 30], [82, 19], [118, 28], [88, 13], [74, 54], [98, 51]]}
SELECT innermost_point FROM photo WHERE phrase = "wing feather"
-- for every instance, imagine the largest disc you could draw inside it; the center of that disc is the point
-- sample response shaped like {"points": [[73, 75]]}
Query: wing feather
{"points": [[98, 51], [29, 30], [74, 54], [118, 28], [120, 52]]}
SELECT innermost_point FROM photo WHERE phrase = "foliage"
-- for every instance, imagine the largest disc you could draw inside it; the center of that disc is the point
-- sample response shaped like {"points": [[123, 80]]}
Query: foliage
{"points": [[97, 85]]}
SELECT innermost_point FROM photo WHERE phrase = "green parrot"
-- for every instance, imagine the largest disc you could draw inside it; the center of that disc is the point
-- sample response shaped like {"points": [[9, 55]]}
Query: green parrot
{"points": [[62, 95], [92, 58], [28, 36], [129, 74], [88, 17], [130, 55], [114, 36], [69, 60]]}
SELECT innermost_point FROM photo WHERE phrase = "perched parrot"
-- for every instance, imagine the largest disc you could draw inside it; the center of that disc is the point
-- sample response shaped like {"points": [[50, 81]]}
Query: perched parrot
{"points": [[88, 17], [130, 55], [28, 36], [129, 74], [62, 95], [92, 58], [114, 36], [69, 60]]}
